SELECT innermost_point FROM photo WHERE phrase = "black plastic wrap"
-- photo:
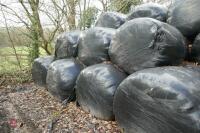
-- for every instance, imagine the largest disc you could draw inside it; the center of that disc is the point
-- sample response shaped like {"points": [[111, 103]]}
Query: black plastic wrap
{"points": [[159, 100], [145, 43], [151, 10], [111, 20], [195, 53], [95, 89], [67, 45], [94, 44], [184, 15], [61, 78], [39, 69]]}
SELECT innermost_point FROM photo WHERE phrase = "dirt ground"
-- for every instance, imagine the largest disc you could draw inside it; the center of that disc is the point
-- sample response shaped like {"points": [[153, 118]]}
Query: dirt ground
{"points": [[31, 109]]}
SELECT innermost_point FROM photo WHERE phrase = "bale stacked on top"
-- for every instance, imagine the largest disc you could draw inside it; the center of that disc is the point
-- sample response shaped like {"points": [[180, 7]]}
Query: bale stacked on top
{"points": [[111, 20], [67, 45], [184, 15], [94, 44], [145, 43], [150, 10]]}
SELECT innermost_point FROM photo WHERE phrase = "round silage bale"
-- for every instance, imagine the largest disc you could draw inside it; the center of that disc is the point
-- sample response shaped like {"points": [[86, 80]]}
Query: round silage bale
{"points": [[195, 52], [111, 20], [94, 44], [61, 78], [159, 100], [39, 69], [184, 15], [95, 89], [145, 43], [150, 10], [67, 45]]}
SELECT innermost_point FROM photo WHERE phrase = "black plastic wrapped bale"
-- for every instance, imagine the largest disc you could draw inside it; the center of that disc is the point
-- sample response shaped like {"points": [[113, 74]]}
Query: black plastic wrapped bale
{"points": [[39, 69], [95, 89], [184, 15], [151, 10], [159, 100], [111, 20], [145, 43], [94, 44], [67, 45], [61, 78], [195, 53]]}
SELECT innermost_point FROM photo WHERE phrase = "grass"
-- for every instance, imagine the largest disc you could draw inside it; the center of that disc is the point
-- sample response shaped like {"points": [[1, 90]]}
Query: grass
{"points": [[8, 60], [10, 72]]}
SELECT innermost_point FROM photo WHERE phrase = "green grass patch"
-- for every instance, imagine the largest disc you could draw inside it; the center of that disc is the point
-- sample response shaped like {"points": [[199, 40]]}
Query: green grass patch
{"points": [[8, 60], [10, 72]]}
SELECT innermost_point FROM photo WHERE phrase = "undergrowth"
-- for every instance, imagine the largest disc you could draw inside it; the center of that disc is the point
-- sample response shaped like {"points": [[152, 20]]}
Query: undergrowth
{"points": [[15, 77]]}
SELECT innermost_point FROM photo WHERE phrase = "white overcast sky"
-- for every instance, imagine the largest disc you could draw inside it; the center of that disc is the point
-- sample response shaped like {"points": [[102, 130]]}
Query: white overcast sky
{"points": [[17, 7], [44, 19]]}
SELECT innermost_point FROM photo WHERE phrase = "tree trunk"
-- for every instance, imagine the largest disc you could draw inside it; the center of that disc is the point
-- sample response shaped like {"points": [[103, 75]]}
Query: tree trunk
{"points": [[72, 14], [34, 51]]}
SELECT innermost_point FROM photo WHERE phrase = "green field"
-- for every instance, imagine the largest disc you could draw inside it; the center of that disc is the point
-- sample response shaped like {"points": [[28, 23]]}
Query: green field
{"points": [[10, 72], [8, 60]]}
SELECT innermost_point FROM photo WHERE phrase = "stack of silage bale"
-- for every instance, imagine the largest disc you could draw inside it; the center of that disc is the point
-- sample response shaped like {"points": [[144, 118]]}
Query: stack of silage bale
{"points": [[148, 45]]}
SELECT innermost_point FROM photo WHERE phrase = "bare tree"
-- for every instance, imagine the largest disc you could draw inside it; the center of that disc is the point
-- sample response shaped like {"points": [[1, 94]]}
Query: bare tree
{"points": [[63, 15], [105, 4], [32, 22]]}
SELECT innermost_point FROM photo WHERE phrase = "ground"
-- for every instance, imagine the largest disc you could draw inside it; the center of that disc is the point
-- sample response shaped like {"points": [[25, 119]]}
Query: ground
{"points": [[28, 108]]}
